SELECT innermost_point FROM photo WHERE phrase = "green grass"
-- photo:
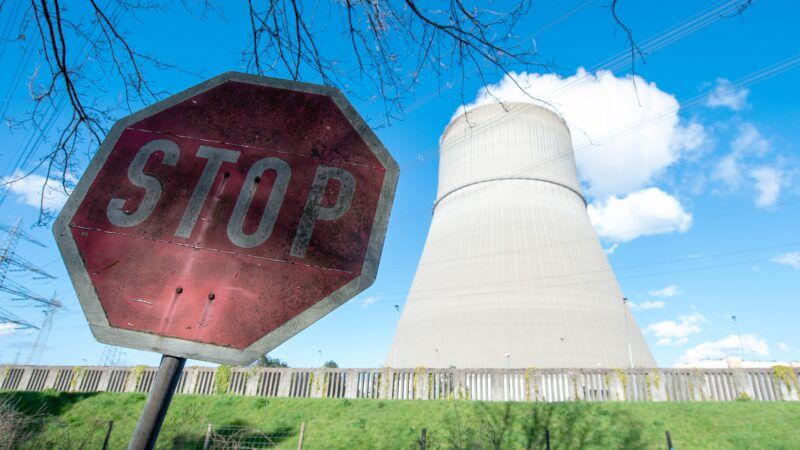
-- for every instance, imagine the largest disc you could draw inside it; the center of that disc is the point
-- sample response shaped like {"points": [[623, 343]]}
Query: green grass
{"points": [[75, 420]]}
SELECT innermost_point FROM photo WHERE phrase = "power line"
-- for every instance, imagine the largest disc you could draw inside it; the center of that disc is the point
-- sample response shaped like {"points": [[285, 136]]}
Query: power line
{"points": [[559, 19], [657, 42], [52, 109], [12, 20], [619, 60]]}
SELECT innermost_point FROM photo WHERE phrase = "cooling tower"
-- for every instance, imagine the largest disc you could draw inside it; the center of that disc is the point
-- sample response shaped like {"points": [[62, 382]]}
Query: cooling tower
{"points": [[512, 274]]}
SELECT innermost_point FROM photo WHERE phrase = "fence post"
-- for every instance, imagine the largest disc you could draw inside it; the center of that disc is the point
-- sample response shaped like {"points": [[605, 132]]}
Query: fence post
{"points": [[351, 384], [105, 379], [579, 385], [783, 388], [669, 441], [575, 385], [27, 371], [423, 439], [130, 381], [50, 379], [385, 383], [700, 392], [616, 387], [318, 388], [796, 372], [741, 380], [794, 390], [208, 437], [302, 434], [498, 385], [75, 384], [659, 385], [108, 434], [252, 375], [191, 380], [460, 376], [421, 378], [286, 382]]}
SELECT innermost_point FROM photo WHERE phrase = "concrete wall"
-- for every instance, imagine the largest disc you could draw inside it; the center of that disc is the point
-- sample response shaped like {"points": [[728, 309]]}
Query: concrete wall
{"points": [[544, 385]]}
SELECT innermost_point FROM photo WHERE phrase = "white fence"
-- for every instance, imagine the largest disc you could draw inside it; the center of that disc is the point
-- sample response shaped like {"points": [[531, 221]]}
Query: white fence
{"points": [[541, 385]]}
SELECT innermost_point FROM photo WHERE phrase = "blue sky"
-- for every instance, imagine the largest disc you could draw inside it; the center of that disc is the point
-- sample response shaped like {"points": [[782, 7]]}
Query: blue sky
{"points": [[699, 209]]}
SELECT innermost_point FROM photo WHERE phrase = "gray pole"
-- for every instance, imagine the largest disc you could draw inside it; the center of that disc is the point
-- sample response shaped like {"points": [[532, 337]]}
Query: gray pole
{"points": [[741, 346], [396, 344], [146, 433], [627, 330]]}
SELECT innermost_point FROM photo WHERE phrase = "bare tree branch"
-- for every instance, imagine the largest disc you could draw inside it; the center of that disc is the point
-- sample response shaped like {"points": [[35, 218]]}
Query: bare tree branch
{"points": [[90, 72], [637, 53], [83, 55], [386, 37]]}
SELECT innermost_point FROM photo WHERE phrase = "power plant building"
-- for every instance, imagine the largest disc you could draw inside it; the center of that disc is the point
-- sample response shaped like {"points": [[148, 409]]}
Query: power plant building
{"points": [[512, 273]]}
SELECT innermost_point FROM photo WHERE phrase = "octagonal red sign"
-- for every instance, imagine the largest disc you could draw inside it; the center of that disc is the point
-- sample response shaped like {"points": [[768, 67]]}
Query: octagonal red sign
{"points": [[219, 222]]}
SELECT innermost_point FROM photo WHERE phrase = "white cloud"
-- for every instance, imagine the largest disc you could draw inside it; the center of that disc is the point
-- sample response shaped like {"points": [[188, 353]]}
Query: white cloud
{"points": [[692, 137], [369, 301], [748, 143], [7, 328], [608, 120], [783, 346], [744, 167], [791, 259], [671, 332], [612, 249], [750, 140], [729, 346], [649, 304], [729, 170], [768, 182], [725, 94], [29, 190], [646, 212], [669, 291]]}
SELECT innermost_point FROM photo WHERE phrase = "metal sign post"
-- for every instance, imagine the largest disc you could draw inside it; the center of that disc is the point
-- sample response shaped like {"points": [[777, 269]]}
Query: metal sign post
{"points": [[221, 221], [158, 400]]}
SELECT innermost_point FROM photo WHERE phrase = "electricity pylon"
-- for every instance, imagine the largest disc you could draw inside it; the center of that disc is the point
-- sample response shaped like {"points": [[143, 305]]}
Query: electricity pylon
{"points": [[10, 261], [35, 355]]}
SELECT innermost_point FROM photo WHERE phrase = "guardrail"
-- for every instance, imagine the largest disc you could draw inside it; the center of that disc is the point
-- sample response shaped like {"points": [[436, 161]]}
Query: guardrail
{"points": [[541, 385]]}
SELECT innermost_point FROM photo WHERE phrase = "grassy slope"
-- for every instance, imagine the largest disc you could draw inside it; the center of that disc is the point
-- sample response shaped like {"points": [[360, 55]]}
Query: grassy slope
{"points": [[75, 419]]}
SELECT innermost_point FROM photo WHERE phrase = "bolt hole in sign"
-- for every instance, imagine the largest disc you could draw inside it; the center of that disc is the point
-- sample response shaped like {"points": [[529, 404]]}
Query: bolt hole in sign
{"points": [[221, 221]]}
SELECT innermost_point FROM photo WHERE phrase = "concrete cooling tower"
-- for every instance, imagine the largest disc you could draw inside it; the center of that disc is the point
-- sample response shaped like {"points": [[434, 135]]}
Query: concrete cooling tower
{"points": [[512, 274]]}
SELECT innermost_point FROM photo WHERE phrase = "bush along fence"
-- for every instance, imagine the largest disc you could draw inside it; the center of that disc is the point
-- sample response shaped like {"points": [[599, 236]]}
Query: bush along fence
{"points": [[779, 383]]}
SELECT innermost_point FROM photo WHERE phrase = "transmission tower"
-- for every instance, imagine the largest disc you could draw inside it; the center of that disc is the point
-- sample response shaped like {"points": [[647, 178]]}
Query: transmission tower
{"points": [[10, 262], [112, 356], [35, 356]]}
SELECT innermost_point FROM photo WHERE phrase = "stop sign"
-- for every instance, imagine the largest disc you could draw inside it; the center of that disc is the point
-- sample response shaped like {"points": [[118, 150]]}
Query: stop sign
{"points": [[221, 221]]}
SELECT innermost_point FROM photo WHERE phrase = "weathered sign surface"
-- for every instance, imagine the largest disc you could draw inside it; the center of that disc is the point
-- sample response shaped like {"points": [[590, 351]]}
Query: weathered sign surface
{"points": [[219, 222]]}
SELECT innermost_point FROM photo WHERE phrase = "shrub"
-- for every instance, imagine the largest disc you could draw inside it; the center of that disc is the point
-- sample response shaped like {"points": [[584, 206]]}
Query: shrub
{"points": [[15, 426]]}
